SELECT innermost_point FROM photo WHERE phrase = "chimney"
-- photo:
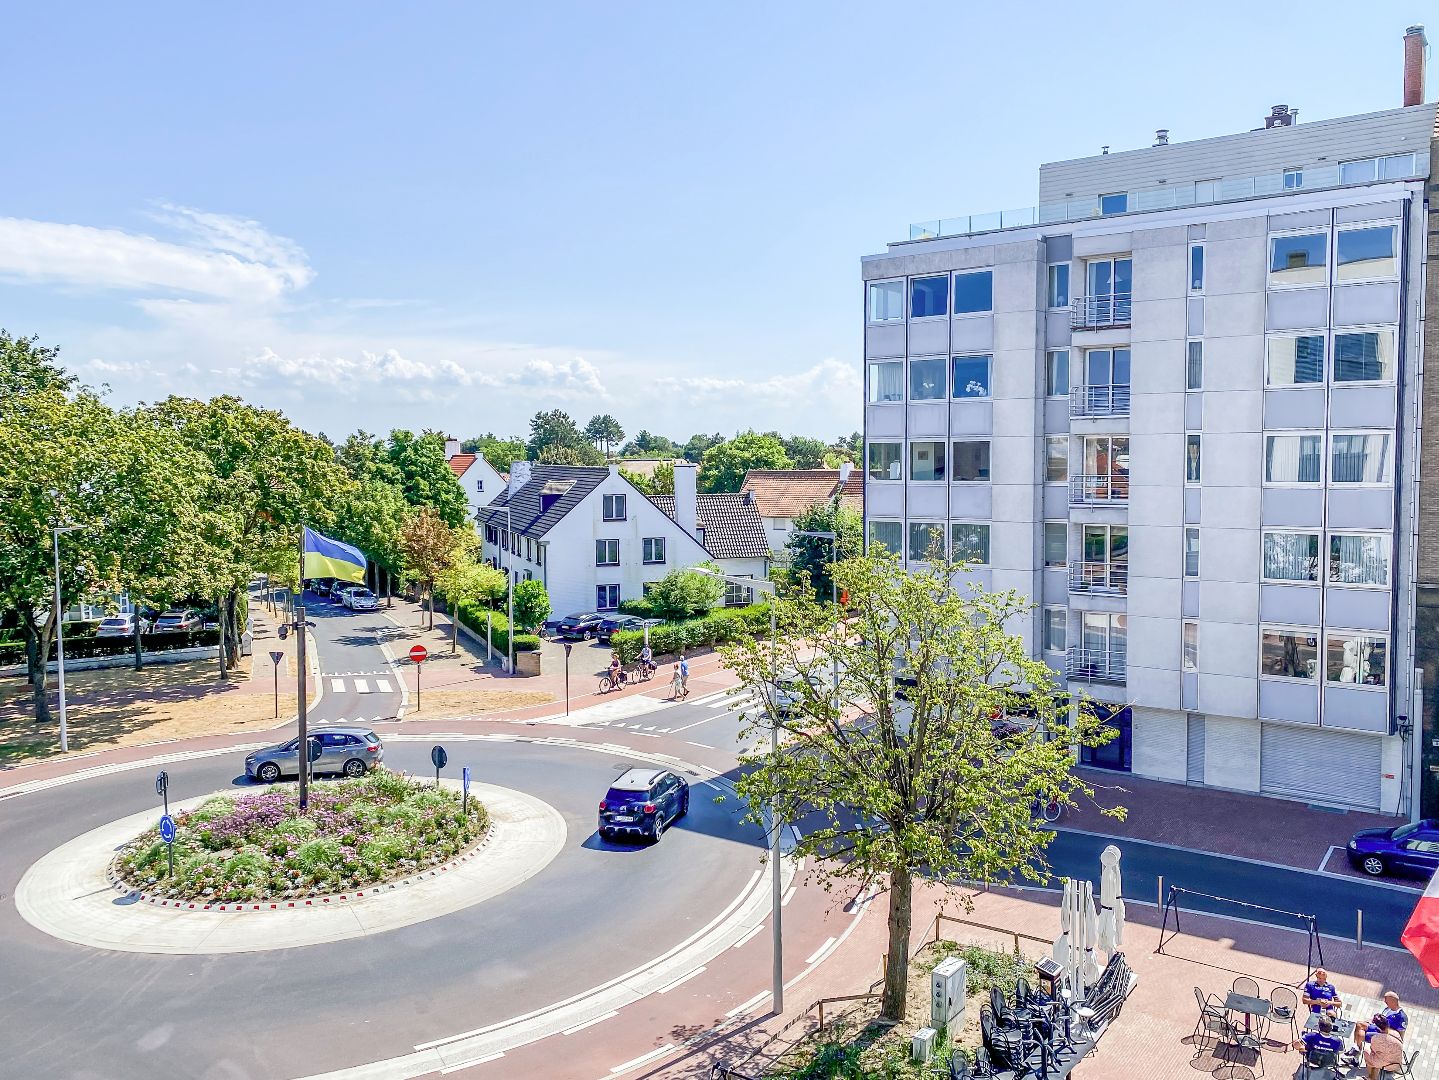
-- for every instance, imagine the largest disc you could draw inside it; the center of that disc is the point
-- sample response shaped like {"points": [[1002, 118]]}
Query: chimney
{"points": [[1281, 116], [519, 476], [452, 446], [1415, 45], [686, 499], [1161, 137], [845, 468]]}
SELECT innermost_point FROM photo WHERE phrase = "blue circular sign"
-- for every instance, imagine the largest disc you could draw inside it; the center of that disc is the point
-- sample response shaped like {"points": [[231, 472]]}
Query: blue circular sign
{"points": [[167, 829]]}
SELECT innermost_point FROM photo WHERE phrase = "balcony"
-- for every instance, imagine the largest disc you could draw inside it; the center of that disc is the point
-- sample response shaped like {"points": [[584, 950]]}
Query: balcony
{"points": [[1099, 578], [1099, 400], [1097, 665], [1110, 312], [1099, 490]]}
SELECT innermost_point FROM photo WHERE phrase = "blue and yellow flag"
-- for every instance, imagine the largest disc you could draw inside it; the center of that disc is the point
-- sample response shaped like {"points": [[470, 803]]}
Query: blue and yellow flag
{"points": [[326, 558]]}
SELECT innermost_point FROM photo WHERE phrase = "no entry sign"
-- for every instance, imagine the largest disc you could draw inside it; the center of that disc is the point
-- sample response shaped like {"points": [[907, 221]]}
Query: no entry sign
{"points": [[419, 653]]}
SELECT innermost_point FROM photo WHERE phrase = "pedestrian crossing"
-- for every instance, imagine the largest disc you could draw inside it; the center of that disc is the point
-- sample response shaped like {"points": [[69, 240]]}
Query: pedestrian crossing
{"points": [[363, 682]]}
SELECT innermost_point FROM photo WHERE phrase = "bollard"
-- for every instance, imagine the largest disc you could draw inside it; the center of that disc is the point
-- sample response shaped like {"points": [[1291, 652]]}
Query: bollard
{"points": [[1160, 905], [1359, 927]]}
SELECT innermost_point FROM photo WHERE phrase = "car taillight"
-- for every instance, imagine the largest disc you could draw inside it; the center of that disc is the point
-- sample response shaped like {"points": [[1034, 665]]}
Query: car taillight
{"points": [[603, 805], [649, 808], [372, 749]]}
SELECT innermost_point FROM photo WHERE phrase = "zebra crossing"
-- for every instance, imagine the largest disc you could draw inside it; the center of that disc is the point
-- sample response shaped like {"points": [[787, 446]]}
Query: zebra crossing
{"points": [[362, 682]]}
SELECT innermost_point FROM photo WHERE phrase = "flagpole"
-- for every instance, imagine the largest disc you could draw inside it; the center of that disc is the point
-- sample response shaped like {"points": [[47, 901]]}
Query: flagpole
{"points": [[303, 758]]}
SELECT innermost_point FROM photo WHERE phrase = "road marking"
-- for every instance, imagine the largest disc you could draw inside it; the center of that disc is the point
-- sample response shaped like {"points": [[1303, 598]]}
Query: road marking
{"points": [[748, 1005], [337, 686], [706, 746], [788, 896], [628, 1065], [592, 1022], [682, 980], [707, 698], [382, 686], [744, 940], [820, 953], [362, 686], [471, 1064]]}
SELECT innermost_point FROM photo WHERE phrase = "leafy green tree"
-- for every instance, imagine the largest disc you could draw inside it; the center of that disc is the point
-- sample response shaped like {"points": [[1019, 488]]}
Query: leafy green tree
{"points": [[647, 445], [570, 455], [683, 594], [605, 431], [425, 475], [928, 784], [662, 480], [430, 548], [805, 452], [532, 604], [500, 453], [694, 450], [724, 466], [642, 483], [813, 557], [467, 581], [555, 430]]}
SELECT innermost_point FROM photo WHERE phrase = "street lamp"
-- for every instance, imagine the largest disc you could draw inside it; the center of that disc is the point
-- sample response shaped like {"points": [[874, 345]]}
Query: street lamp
{"points": [[777, 934], [60, 632]]}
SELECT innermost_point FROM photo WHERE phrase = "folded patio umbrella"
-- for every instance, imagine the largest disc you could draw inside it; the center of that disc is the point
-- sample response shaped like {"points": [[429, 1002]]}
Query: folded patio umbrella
{"points": [[1090, 922], [1061, 943], [1421, 935], [1111, 904]]}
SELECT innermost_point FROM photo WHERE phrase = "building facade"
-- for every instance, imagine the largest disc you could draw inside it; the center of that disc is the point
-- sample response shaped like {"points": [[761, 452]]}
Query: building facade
{"points": [[482, 483], [1177, 403]]}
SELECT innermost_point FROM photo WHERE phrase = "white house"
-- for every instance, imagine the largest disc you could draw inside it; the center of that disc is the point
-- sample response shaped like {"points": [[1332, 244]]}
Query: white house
{"points": [[595, 539], [476, 475], [781, 495]]}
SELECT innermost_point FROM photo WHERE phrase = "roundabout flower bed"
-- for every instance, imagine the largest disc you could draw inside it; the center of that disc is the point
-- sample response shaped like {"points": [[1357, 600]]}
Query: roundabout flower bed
{"points": [[357, 833]]}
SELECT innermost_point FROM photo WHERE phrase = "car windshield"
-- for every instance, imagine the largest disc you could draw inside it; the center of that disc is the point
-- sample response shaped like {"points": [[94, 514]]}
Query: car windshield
{"points": [[113, 622], [1406, 830], [624, 795]]}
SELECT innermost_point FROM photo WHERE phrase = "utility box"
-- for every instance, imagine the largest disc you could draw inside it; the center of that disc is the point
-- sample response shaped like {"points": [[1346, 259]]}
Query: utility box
{"points": [[922, 1046], [948, 984]]}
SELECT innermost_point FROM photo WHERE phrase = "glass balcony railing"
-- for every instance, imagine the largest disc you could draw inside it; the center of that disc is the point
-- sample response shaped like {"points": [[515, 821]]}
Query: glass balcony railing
{"points": [[1104, 489], [1100, 312], [1107, 579], [1112, 400]]}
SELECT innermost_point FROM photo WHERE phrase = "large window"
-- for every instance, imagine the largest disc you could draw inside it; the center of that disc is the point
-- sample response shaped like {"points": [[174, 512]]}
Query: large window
{"points": [[1189, 659], [1056, 623], [971, 376], [1368, 253], [1290, 556], [1364, 356], [654, 549], [969, 542], [1359, 558], [1289, 652], [929, 296], [926, 379], [1056, 543], [607, 552], [1116, 202], [1056, 459], [926, 541], [926, 461], [1191, 552], [607, 597], [885, 462], [886, 301], [1294, 359], [1298, 259], [1196, 267], [613, 507], [1194, 366], [886, 382], [1360, 458], [1356, 656], [1293, 459], [1056, 373], [970, 461], [1059, 285], [1193, 458], [888, 535], [973, 292]]}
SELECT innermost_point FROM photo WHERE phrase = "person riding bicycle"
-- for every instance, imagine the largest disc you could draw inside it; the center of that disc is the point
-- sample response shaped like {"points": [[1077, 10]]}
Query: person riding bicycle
{"points": [[617, 674], [647, 658]]}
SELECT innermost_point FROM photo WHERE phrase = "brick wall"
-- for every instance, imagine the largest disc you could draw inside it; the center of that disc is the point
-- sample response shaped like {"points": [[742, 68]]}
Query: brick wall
{"points": [[1429, 429]]}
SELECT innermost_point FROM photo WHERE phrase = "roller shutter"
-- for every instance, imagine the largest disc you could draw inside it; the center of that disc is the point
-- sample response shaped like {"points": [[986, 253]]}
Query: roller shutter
{"points": [[1319, 765]]}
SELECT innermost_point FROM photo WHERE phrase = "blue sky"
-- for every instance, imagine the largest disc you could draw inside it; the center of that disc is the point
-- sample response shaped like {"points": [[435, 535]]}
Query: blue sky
{"points": [[455, 215]]}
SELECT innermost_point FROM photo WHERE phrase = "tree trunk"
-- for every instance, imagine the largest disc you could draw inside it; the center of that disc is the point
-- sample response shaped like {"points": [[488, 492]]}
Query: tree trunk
{"points": [[139, 652], [389, 590], [38, 654], [220, 621], [431, 593], [896, 970]]}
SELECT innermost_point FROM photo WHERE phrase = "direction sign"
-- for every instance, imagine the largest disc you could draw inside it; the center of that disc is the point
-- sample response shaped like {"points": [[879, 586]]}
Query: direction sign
{"points": [[276, 657], [316, 748], [438, 757], [465, 778], [419, 653], [167, 829], [162, 783]]}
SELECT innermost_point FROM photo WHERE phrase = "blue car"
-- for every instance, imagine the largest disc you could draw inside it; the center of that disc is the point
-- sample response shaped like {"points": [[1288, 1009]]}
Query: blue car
{"points": [[1410, 850], [641, 802]]}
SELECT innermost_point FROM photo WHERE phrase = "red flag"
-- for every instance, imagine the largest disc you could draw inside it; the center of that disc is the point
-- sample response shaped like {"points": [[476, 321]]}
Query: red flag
{"points": [[1421, 936]]}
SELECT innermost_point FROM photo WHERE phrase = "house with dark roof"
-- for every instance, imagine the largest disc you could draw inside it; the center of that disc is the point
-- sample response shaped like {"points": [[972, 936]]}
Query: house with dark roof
{"points": [[482, 483], [596, 540], [781, 495]]}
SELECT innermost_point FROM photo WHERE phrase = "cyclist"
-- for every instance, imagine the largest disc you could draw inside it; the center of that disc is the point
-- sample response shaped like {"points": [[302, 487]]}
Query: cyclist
{"points": [[617, 674], [647, 659]]}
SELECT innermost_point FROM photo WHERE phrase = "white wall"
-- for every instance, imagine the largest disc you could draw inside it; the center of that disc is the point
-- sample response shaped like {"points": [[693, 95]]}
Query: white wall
{"points": [[482, 484]]}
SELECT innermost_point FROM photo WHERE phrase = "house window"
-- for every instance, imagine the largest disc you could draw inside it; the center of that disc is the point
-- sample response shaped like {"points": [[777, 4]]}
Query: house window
{"points": [[1106, 382], [969, 542], [1114, 203], [1290, 556], [1396, 167], [737, 595], [971, 376], [1191, 552], [1293, 459], [1293, 178], [1056, 458], [1056, 373], [654, 549], [1193, 457], [614, 507], [929, 296], [1056, 543], [1056, 625], [1368, 253], [529, 550], [1358, 172], [1359, 559], [490, 537], [926, 379], [607, 552], [539, 553], [1190, 658], [1298, 259], [1360, 458], [1196, 267], [885, 461], [888, 535], [886, 382], [1289, 652], [926, 461], [973, 292], [1194, 366], [970, 461], [1294, 359], [926, 541], [886, 301], [1059, 285], [1364, 356], [1356, 656], [607, 597]]}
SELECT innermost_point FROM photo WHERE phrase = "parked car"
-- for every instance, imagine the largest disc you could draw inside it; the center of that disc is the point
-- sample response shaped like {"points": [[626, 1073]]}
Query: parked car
{"points": [[122, 626], [1410, 850], [550, 628], [361, 599], [320, 588], [641, 802], [178, 619], [352, 751], [789, 692], [612, 624], [340, 594], [583, 624]]}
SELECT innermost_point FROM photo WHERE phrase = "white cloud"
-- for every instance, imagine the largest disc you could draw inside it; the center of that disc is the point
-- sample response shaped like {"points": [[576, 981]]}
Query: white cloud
{"points": [[830, 379]]}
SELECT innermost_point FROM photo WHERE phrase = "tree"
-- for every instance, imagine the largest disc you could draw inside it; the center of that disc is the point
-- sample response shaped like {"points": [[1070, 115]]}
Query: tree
{"points": [[805, 452], [928, 784], [570, 455], [662, 480], [425, 475], [555, 429], [647, 445], [429, 547], [532, 604], [641, 482], [683, 594], [467, 582], [724, 466], [813, 557], [694, 450], [604, 430], [500, 453]]}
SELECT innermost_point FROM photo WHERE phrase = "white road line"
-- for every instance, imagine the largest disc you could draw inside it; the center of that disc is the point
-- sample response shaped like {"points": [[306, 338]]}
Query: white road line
{"points": [[788, 896], [706, 698], [706, 746], [382, 686], [337, 686], [747, 1006], [471, 1064], [362, 686], [742, 941], [819, 953], [636, 1062], [682, 980], [591, 1023]]}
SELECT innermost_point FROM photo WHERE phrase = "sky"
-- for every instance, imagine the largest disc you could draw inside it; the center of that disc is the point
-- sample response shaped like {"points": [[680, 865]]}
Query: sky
{"points": [[452, 216]]}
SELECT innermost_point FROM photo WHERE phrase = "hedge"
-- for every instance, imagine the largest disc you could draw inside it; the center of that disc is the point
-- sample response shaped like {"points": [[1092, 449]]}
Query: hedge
{"points": [[474, 618], [723, 624], [80, 648]]}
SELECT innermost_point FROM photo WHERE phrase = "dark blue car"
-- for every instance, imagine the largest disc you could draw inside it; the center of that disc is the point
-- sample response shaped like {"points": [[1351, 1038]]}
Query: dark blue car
{"points": [[1410, 850], [642, 802]]}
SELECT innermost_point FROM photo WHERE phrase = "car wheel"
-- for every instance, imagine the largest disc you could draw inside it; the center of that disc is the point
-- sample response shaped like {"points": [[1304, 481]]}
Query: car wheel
{"points": [[684, 806], [354, 767], [587, 635], [268, 773], [1373, 865]]}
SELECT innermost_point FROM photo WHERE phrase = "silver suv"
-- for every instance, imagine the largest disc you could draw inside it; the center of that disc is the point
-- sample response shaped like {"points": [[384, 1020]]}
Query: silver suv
{"points": [[352, 751], [361, 599]]}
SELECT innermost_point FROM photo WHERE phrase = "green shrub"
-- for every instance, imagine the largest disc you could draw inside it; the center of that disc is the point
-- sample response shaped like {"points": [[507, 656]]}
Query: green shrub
{"points": [[474, 618], [319, 856], [212, 810], [639, 607], [726, 624]]}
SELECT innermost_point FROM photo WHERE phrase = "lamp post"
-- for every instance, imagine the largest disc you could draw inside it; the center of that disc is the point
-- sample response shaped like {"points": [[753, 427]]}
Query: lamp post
{"points": [[60, 632], [833, 539], [510, 589]]}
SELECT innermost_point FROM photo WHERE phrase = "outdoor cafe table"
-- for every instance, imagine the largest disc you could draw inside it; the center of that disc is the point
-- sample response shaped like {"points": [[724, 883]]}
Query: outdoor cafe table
{"points": [[1249, 1006], [1342, 1027]]}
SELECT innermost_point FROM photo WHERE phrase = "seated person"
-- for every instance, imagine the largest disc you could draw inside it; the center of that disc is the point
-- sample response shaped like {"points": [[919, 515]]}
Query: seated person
{"points": [[1321, 1041], [1319, 993], [1385, 1051], [1394, 1017]]}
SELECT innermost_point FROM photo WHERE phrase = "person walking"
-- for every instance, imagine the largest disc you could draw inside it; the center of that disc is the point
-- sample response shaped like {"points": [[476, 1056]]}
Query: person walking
{"points": [[684, 676], [675, 684]]}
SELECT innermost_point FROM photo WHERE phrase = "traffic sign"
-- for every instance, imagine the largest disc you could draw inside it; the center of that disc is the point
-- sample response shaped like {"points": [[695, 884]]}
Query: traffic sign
{"points": [[276, 657], [167, 829], [439, 757], [465, 784], [419, 653], [316, 748], [162, 783]]}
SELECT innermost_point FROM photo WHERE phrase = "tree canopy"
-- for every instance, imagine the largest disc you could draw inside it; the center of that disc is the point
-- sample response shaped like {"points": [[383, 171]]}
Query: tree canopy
{"points": [[604, 431], [723, 466], [683, 594], [812, 557], [552, 432]]}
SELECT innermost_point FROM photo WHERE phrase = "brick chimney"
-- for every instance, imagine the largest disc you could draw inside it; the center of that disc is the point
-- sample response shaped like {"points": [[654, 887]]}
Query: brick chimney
{"points": [[452, 446], [1415, 45]]}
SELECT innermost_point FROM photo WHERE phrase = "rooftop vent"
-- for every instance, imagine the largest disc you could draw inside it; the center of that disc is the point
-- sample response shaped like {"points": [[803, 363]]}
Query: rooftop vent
{"points": [[1281, 116], [1415, 45], [1161, 137], [1104, 150]]}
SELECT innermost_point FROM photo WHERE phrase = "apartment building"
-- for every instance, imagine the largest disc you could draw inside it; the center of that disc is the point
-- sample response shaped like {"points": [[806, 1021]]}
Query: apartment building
{"points": [[1177, 403]]}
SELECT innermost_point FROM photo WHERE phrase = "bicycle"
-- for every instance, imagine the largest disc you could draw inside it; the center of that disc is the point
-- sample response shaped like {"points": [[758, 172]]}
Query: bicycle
{"points": [[1049, 811], [608, 683]]}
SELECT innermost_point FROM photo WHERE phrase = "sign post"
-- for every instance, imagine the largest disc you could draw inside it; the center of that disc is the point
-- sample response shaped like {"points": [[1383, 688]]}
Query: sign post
{"points": [[438, 757], [465, 788], [276, 658], [418, 654], [569, 648], [167, 834], [162, 789]]}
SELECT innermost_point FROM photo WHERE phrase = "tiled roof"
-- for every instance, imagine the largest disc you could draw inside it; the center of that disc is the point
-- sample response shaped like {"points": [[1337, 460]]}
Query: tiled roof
{"points": [[731, 524], [785, 493], [460, 463], [551, 492]]}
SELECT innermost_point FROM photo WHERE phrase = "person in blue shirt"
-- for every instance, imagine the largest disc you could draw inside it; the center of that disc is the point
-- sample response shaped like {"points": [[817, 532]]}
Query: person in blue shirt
{"points": [[684, 676], [1321, 1041], [1394, 1016], [1319, 993]]}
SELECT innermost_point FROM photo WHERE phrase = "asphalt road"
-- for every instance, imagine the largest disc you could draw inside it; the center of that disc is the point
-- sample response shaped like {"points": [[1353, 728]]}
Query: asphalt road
{"points": [[360, 687]]}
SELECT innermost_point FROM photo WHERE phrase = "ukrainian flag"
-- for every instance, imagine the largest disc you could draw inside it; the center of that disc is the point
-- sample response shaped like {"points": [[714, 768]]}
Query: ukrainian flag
{"points": [[325, 558]]}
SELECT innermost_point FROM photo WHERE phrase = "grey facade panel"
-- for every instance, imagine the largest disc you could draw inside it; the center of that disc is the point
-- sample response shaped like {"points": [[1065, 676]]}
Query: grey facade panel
{"points": [[1193, 412], [884, 422], [1295, 605], [1194, 316], [1293, 702], [1297, 309], [1058, 249], [1191, 505], [971, 502], [1189, 598], [883, 341], [1366, 508], [1056, 416], [1358, 609], [1297, 408], [1056, 328], [884, 500], [927, 502], [1356, 708], [1189, 691], [929, 337], [1361, 407], [971, 418], [1305, 219], [1361, 305], [1056, 502], [972, 334], [1300, 507], [1390, 208], [928, 421]]}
